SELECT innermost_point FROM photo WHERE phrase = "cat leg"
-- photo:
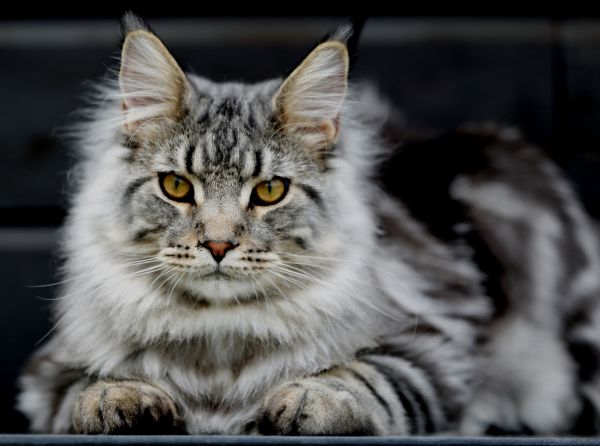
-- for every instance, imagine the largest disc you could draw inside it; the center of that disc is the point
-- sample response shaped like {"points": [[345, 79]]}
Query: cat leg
{"points": [[48, 391], [117, 407], [59, 398], [359, 398]]}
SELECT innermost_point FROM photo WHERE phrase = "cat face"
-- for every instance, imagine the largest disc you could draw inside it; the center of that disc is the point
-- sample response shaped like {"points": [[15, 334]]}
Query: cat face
{"points": [[226, 183]]}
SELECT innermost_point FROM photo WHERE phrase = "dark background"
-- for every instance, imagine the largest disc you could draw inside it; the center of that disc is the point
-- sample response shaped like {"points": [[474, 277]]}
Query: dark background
{"points": [[537, 70]]}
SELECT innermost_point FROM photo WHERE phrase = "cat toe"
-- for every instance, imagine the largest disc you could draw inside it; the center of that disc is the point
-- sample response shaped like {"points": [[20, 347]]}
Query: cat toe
{"points": [[308, 407], [125, 408]]}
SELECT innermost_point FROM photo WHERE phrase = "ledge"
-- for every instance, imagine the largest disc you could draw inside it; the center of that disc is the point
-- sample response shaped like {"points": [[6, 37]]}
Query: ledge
{"points": [[135, 440]]}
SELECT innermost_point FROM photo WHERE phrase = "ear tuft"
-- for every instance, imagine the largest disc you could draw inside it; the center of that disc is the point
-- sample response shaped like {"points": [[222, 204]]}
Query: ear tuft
{"points": [[310, 100], [343, 34], [131, 22]]}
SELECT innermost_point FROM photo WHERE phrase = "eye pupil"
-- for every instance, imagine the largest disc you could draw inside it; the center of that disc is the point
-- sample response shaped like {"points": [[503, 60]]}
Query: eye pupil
{"points": [[270, 192], [176, 188]]}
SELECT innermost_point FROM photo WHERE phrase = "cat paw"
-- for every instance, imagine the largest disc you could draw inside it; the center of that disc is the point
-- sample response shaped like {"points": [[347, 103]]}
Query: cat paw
{"points": [[125, 407], [311, 407]]}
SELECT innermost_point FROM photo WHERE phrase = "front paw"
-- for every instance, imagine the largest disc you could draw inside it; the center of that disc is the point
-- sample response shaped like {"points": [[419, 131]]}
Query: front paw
{"points": [[313, 407], [125, 407]]}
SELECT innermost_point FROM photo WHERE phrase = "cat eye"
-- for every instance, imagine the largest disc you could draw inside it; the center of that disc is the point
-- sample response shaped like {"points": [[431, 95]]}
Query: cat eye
{"points": [[269, 192], [176, 188]]}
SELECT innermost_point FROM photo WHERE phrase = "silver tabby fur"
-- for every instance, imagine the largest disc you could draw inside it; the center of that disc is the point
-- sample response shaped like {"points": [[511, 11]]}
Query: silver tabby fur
{"points": [[342, 314]]}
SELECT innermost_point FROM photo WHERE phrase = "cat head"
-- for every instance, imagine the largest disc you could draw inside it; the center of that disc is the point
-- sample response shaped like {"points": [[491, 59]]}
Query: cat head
{"points": [[226, 186]]}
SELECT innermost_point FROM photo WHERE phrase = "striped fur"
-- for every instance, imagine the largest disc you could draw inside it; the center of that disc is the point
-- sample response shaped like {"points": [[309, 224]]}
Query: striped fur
{"points": [[466, 303]]}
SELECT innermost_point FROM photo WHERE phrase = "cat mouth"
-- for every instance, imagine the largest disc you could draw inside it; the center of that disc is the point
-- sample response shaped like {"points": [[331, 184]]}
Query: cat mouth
{"points": [[218, 286], [217, 274]]}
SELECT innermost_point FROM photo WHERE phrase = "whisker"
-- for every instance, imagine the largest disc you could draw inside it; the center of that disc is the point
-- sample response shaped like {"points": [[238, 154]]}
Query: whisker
{"points": [[49, 332], [360, 282], [355, 295], [91, 273], [287, 278], [166, 271], [181, 275]]}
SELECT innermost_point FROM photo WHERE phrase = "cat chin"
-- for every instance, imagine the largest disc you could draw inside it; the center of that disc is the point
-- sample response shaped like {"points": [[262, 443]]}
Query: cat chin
{"points": [[222, 290]]}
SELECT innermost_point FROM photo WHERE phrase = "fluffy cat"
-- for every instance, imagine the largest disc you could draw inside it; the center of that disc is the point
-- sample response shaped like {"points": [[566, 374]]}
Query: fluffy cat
{"points": [[231, 266]]}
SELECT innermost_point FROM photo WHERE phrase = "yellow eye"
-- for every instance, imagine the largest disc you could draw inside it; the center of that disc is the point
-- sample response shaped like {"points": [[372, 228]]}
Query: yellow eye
{"points": [[176, 188], [270, 192]]}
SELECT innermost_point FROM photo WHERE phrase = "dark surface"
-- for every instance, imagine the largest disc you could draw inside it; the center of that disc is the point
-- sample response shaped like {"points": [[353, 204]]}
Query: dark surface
{"points": [[49, 440], [543, 77]]}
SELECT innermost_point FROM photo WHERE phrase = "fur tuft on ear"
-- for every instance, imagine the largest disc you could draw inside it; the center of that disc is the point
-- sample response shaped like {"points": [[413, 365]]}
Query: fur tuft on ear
{"points": [[131, 22], [309, 102], [154, 89], [343, 34]]}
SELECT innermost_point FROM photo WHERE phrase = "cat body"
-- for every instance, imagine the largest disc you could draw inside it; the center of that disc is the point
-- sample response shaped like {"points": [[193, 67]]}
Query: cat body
{"points": [[232, 267]]}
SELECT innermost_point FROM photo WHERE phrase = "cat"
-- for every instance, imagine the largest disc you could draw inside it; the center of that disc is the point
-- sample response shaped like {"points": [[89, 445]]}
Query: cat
{"points": [[232, 265]]}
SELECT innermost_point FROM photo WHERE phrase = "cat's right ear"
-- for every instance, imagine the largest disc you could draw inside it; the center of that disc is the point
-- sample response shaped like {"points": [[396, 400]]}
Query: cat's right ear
{"points": [[154, 89]]}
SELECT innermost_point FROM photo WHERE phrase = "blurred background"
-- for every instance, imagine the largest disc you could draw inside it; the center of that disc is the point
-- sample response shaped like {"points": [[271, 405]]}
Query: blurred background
{"points": [[539, 72]]}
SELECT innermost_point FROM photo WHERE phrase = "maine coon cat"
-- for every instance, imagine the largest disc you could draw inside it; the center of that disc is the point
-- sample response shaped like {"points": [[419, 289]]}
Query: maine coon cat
{"points": [[232, 266]]}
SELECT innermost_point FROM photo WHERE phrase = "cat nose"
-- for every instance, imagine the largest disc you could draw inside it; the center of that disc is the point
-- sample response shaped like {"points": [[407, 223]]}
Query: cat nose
{"points": [[218, 249]]}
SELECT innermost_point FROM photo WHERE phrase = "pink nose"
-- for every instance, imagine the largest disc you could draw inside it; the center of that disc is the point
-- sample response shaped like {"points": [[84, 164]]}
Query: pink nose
{"points": [[218, 249]]}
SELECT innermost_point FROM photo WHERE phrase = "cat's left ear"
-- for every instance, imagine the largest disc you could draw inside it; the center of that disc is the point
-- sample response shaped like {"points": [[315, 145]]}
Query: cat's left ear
{"points": [[309, 102], [154, 89]]}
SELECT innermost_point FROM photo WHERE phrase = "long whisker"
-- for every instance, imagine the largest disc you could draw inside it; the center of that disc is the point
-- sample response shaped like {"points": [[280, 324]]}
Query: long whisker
{"points": [[166, 271], [88, 287], [282, 294], [329, 268], [49, 332], [265, 294], [283, 277], [255, 281], [169, 278], [181, 275], [355, 296], [439, 263], [278, 272], [93, 273]]}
